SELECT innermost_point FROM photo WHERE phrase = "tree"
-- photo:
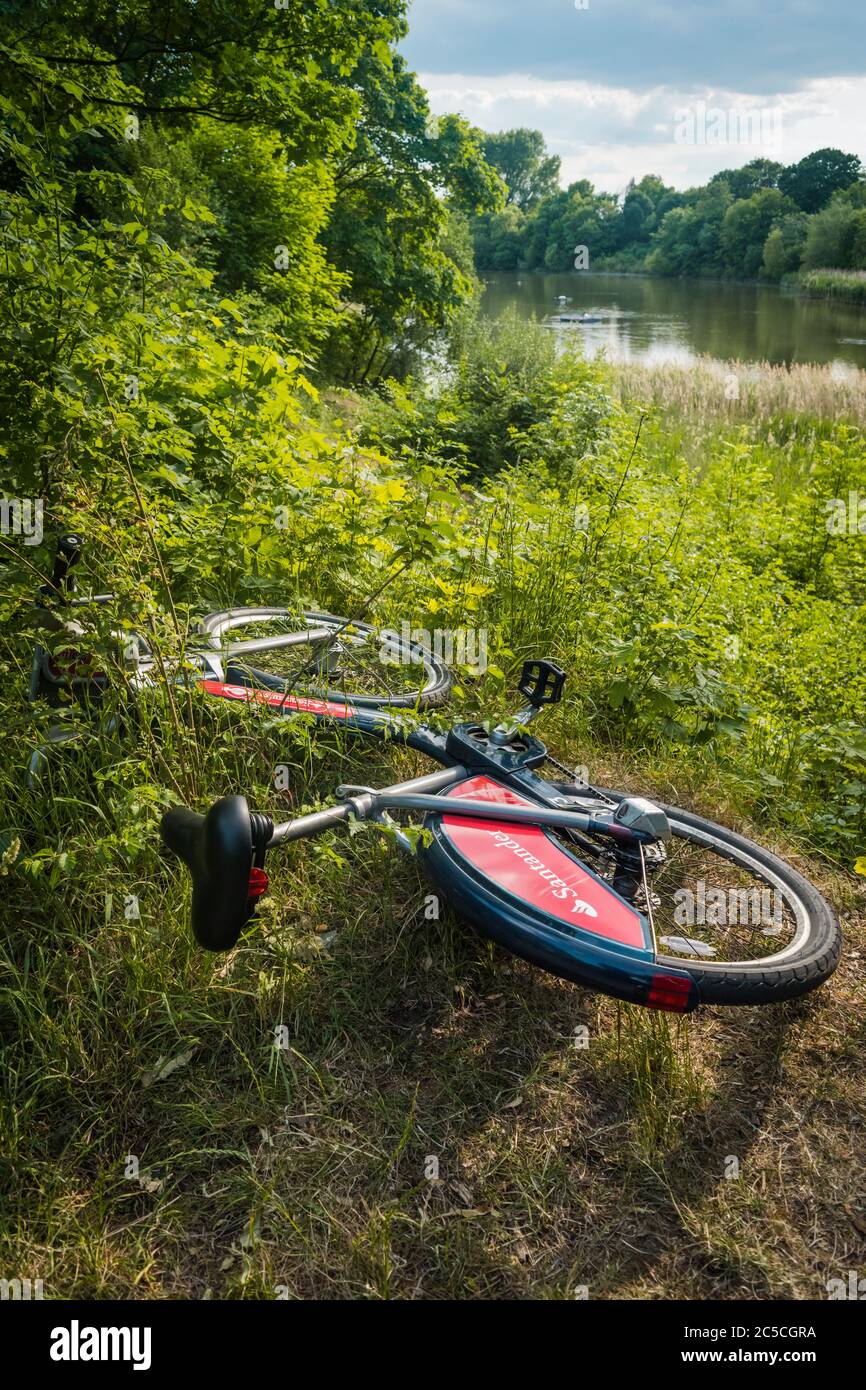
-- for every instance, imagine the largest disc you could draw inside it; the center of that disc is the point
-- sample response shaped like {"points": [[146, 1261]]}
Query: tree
{"points": [[284, 151], [393, 189], [528, 171], [660, 195], [830, 240], [268, 217], [638, 216], [499, 239], [540, 221], [243, 107], [582, 219], [858, 241], [663, 198], [236, 63], [812, 182], [783, 248], [688, 241], [746, 227], [751, 178]]}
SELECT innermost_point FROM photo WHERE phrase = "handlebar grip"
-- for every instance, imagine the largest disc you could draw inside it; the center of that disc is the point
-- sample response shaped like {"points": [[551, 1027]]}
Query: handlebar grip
{"points": [[68, 554], [218, 851]]}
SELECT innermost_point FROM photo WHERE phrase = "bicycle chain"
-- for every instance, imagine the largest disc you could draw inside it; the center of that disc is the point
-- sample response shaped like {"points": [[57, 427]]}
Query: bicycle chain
{"points": [[573, 777]]}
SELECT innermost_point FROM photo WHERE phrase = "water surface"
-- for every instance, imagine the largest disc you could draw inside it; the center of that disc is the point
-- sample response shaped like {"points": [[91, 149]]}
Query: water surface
{"points": [[641, 318]]}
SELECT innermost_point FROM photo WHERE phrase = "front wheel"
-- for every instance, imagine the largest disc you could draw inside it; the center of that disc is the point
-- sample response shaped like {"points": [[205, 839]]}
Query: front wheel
{"points": [[321, 655], [747, 927]]}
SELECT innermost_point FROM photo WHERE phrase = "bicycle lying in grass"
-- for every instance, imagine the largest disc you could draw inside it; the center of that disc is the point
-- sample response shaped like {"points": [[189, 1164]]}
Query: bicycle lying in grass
{"points": [[647, 903]]}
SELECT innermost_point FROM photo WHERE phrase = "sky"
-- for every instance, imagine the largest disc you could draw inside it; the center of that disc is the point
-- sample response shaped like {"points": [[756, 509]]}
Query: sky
{"points": [[623, 88]]}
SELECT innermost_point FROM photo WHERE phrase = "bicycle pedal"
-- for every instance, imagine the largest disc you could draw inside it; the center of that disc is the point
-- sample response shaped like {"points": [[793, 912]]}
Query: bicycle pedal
{"points": [[541, 682]]}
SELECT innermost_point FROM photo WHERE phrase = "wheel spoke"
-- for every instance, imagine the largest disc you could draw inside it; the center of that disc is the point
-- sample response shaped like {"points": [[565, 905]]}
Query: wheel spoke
{"points": [[705, 904]]}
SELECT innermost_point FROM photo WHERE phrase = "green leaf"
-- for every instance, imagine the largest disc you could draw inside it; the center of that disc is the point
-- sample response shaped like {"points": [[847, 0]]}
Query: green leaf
{"points": [[617, 693], [232, 309]]}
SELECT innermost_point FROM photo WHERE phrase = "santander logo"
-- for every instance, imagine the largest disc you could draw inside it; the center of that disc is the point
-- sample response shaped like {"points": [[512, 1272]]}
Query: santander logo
{"points": [[558, 886], [526, 863]]}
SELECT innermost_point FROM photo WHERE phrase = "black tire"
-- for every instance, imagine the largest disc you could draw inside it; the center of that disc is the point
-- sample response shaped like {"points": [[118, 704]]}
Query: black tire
{"points": [[801, 967], [434, 691]]}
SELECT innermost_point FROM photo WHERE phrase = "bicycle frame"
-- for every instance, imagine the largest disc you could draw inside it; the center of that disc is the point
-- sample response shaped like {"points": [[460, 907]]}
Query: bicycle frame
{"points": [[553, 910], [488, 819]]}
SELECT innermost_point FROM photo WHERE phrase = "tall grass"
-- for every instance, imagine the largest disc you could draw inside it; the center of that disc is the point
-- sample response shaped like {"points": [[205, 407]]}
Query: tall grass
{"points": [[709, 391], [155, 1142], [849, 285]]}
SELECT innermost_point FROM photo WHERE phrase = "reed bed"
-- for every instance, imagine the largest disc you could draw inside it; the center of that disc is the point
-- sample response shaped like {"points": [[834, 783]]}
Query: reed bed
{"points": [[834, 284], [735, 391]]}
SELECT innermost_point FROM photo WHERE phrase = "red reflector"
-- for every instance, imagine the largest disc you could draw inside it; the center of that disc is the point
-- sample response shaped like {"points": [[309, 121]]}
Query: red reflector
{"points": [[258, 883], [671, 992]]}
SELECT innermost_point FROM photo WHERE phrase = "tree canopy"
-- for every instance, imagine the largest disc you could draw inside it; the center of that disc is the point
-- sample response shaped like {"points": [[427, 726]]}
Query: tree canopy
{"points": [[762, 219], [527, 170], [284, 152]]}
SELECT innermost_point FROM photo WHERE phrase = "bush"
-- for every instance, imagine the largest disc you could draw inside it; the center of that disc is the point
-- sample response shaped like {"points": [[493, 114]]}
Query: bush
{"points": [[505, 397]]}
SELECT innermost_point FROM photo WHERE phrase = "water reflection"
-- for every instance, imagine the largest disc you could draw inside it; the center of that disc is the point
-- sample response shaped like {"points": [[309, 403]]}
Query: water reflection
{"points": [[640, 318]]}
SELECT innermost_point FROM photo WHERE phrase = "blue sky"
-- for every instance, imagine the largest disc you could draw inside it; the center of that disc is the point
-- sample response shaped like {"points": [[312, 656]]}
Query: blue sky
{"points": [[630, 87]]}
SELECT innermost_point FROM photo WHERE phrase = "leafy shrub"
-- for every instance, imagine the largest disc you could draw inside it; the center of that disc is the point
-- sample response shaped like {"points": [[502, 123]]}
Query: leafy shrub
{"points": [[505, 398]]}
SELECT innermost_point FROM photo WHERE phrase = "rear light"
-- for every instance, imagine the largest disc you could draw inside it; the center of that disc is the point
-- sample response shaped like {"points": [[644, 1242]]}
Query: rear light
{"points": [[672, 993], [258, 883]]}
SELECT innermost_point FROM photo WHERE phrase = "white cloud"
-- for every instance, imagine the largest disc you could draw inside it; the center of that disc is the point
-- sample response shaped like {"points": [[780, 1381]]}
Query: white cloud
{"points": [[610, 134]]}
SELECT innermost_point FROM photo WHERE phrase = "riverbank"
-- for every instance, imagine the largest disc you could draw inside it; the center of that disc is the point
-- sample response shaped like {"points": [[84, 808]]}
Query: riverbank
{"points": [[847, 285]]}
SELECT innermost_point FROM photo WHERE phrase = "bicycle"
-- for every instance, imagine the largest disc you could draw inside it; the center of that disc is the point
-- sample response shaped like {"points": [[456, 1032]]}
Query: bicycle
{"points": [[585, 882], [223, 667]]}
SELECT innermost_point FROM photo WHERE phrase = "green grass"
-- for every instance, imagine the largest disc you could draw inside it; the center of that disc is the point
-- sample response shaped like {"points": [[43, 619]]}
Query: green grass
{"points": [[307, 1170]]}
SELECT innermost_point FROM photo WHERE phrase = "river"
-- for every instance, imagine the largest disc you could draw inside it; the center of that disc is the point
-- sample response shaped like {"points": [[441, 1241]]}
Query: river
{"points": [[640, 318]]}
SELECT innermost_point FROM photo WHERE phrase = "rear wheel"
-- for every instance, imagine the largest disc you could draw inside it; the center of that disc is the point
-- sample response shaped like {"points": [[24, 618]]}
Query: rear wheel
{"points": [[321, 655], [746, 926]]}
